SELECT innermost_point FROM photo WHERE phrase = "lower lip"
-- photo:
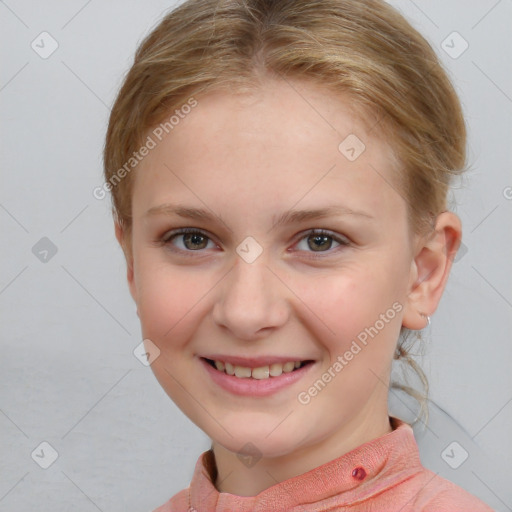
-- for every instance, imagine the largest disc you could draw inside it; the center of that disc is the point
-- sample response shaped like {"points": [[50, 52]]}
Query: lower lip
{"points": [[255, 387]]}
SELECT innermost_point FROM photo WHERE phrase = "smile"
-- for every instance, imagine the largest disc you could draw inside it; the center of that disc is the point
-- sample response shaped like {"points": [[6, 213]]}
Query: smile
{"points": [[253, 377], [259, 373]]}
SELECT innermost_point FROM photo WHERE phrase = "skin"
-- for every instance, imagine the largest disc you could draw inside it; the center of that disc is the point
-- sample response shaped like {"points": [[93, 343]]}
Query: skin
{"points": [[247, 158]]}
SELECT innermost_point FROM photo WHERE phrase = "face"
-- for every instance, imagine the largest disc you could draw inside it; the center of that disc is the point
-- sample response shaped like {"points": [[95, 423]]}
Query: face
{"points": [[256, 284]]}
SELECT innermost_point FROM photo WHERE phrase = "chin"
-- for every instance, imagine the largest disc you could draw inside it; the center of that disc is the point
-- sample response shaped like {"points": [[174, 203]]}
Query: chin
{"points": [[255, 440]]}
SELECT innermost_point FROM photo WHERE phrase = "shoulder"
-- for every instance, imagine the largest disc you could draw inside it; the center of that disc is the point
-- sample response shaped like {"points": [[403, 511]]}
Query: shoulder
{"points": [[178, 503], [439, 495]]}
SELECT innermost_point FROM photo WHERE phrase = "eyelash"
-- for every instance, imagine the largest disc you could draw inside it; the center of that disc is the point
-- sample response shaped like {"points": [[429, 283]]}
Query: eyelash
{"points": [[169, 236]]}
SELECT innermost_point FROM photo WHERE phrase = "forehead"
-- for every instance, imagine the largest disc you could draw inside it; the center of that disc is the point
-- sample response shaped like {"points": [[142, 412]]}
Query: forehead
{"points": [[278, 144]]}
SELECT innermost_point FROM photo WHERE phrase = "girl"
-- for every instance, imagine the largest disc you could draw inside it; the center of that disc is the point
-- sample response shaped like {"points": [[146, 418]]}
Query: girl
{"points": [[279, 172]]}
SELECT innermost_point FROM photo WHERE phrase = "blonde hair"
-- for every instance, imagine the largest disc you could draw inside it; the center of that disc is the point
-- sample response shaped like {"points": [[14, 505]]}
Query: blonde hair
{"points": [[362, 48]]}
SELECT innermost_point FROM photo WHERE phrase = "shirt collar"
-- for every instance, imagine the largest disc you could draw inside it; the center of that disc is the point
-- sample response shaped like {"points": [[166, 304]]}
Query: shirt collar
{"points": [[355, 476]]}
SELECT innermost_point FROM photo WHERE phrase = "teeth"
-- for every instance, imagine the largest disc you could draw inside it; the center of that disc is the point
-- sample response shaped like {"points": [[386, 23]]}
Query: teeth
{"points": [[263, 372], [288, 367], [242, 371], [260, 373], [276, 369]]}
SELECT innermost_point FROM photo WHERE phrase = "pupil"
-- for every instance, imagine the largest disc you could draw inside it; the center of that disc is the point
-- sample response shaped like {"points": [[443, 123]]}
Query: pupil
{"points": [[195, 240], [322, 239]]}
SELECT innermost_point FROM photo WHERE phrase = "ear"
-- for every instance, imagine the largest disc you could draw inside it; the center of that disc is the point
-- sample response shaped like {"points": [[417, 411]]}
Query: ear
{"points": [[122, 239], [430, 270]]}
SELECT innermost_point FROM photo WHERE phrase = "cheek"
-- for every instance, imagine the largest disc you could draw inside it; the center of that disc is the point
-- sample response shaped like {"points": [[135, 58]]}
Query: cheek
{"points": [[343, 305], [168, 299]]}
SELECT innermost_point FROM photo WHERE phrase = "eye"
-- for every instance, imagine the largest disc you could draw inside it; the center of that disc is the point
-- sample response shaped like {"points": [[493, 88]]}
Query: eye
{"points": [[191, 240], [187, 239], [319, 240]]}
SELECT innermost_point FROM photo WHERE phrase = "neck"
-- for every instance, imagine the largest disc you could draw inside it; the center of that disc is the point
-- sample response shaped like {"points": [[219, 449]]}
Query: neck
{"points": [[250, 480]]}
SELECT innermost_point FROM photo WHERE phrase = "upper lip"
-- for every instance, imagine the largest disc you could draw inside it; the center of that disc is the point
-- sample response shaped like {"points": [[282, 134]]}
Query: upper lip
{"points": [[253, 362]]}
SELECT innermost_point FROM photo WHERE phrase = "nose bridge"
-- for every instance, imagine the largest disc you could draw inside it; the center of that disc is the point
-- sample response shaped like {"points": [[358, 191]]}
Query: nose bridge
{"points": [[251, 299]]}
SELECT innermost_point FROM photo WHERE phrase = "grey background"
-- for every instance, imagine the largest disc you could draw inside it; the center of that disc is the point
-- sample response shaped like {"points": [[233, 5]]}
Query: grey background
{"points": [[69, 327]]}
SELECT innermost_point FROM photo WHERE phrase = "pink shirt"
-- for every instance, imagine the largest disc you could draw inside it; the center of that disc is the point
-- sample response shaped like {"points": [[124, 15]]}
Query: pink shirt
{"points": [[382, 475]]}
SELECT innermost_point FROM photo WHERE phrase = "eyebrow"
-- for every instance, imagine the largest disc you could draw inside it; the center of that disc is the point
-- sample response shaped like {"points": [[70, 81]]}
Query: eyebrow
{"points": [[288, 217]]}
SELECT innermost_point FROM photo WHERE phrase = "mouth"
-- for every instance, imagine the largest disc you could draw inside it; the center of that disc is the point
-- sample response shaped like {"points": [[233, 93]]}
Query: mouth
{"points": [[255, 377], [260, 372]]}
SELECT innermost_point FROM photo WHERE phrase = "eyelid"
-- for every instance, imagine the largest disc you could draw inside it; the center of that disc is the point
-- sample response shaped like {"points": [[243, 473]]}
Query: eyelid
{"points": [[166, 238], [342, 239], [184, 231], [338, 238]]}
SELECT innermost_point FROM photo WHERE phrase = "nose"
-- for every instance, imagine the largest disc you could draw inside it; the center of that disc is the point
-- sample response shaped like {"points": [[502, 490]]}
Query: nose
{"points": [[252, 301]]}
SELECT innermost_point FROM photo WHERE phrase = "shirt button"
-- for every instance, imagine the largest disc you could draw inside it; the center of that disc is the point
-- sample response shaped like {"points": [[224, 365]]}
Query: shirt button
{"points": [[359, 473]]}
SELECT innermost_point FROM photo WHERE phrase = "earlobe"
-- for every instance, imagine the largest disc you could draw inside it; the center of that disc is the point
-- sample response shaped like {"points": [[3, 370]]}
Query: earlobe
{"points": [[430, 270]]}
